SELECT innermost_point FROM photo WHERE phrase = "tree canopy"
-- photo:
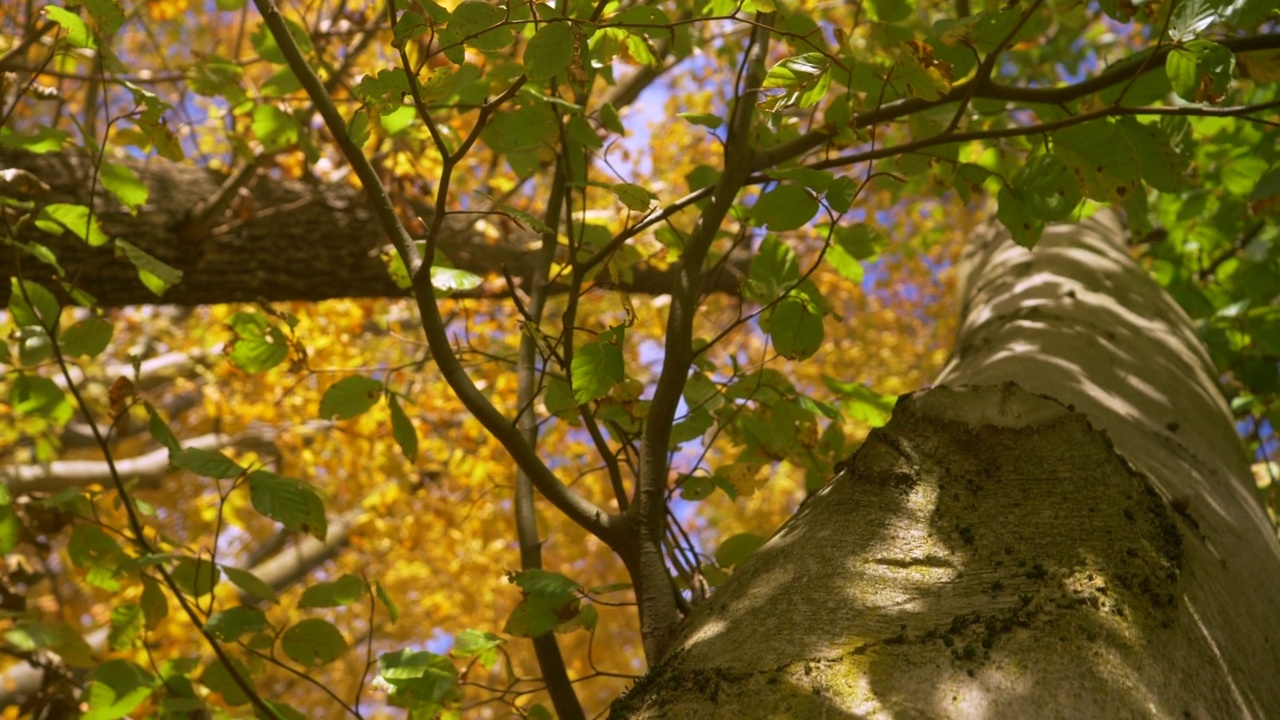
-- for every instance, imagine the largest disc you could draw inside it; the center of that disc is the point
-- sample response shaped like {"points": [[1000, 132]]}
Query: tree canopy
{"points": [[445, 355]]}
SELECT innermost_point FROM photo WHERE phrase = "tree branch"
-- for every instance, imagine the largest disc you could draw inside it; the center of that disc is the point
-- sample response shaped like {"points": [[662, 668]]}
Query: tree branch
{"points": [[654, 593], [576, 507], [285, 240]]}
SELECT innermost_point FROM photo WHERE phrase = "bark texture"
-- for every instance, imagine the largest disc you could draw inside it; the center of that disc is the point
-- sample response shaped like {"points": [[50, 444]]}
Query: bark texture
{"points": [[274, 239], [1064, 526]]}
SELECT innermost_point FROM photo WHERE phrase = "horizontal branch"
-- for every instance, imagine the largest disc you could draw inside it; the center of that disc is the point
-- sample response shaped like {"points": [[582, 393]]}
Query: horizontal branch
{"points": [[149, 468], [990, 90], [278, 240]]}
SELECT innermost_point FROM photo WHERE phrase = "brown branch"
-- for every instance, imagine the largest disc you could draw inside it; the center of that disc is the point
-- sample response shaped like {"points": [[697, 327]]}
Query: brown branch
{"points": [[285, 240]]}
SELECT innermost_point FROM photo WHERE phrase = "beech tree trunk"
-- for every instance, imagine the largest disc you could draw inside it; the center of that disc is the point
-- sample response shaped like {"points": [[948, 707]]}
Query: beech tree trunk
{"points": [[1064, 526]]}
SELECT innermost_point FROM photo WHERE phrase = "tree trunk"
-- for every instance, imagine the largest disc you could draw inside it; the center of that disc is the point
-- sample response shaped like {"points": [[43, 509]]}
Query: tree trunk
{"points": [[1064, 526]]}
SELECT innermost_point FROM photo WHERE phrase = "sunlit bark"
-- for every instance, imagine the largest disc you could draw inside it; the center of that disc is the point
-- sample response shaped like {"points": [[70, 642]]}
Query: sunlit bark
{"points": [[1065, 525]]}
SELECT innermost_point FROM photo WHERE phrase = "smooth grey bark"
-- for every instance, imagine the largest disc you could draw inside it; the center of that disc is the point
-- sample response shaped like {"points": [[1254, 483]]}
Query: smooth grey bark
{"points": [[1064, 526], [271, 239]]}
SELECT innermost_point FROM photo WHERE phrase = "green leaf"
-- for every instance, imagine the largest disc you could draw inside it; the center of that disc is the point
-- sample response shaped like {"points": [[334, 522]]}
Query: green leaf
{"points": [[529, 222], [218, 678], [1242, 174], [195, 576], [737, 548], [892, 11], [1013, 213], [39, 397], [483, 646], [774, 269], [313, 642], [860, 403], [1101, 158], [274, 128], [385, 598], [258, 344], [78, 33], [1267, 187], [338, 593], [86, 338], [206, 463], [645, 19], [468, 24], [1162, 167], [610, 119], [291, 502], [383, 91], [408, 26], [358, 127], [403, 431], [549, 52], [1200, 71], [586, 618], [420, 676], [636, 198], [162, 139], [816, 180], [265, 43], [695, 487], [33, 346], [545, 583], [453, 280], [709, 120], [127, 622], [116, 688], [991, 28], [77, 218], [350, 397], [923, 75], [597, 367], [844, 263], [156, 275], [59, 637], [90, 546], [796, 329], [154, 603], [579, 130], [32, 305], [804, 78], [559, 400], [694, 425], [548, 597], [229, 625], [160, 430], [251, 584], [786, 207], [701, 392], [1046, 188], [122, 181], [861, 240], [529, 128]]}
